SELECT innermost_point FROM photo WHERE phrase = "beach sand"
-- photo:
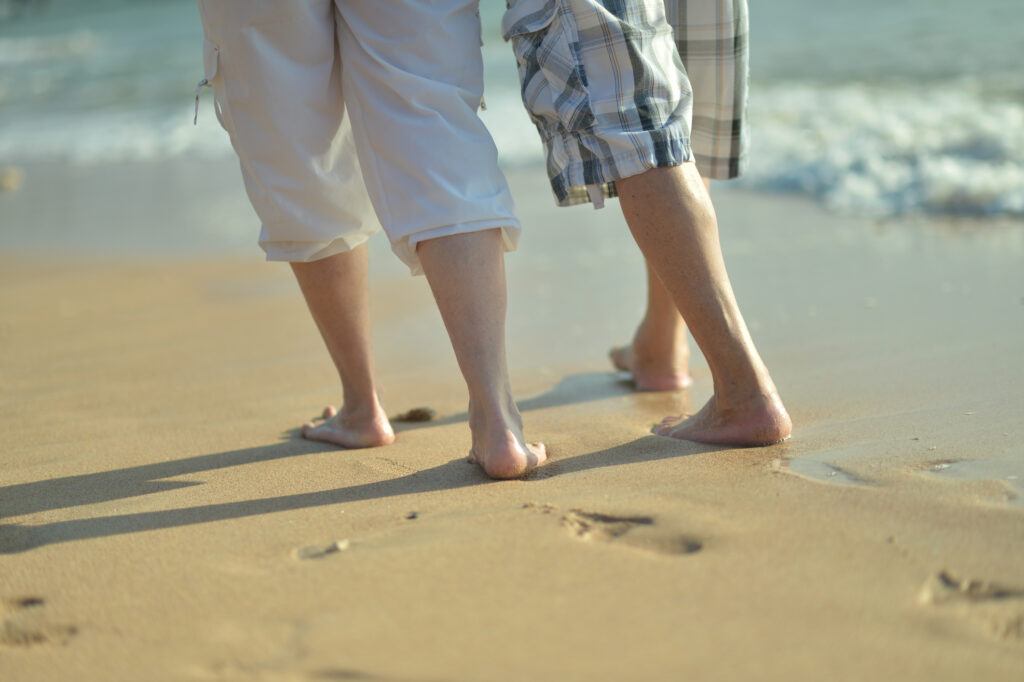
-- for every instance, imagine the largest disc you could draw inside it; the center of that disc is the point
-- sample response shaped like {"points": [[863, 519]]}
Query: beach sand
{"points": [[161, 520]]}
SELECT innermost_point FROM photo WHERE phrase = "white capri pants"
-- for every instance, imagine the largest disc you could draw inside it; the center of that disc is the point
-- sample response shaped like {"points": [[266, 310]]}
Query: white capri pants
{"points": [[334, 106]]}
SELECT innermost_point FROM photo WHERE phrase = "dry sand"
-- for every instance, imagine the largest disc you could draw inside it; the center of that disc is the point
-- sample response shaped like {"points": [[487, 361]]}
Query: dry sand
{"points": [[162, 521]]}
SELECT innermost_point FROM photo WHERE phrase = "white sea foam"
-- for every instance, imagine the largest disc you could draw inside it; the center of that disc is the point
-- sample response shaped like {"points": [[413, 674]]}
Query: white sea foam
{"points": [[889, 152], [857, 149], [112, 136], [25, 50], [879, 151], [941, 131]]}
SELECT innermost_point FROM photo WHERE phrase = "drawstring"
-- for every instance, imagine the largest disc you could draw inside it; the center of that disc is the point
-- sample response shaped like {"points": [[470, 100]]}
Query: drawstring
{"points": [[199, 90], [596, 195]]}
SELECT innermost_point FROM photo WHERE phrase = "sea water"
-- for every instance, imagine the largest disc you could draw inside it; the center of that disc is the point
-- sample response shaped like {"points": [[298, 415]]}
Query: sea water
{"points": [[872, 108]]}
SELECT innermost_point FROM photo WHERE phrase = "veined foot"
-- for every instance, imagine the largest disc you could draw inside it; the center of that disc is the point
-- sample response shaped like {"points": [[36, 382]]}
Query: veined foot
{"points": [[761, 420], [500, 448], [350, 430], [669, 372]]}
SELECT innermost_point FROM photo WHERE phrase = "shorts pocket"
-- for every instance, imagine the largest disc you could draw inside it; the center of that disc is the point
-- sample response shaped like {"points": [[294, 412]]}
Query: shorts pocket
{"points": [[551, 75], [527, 16], [211, 59], [213, 77]]}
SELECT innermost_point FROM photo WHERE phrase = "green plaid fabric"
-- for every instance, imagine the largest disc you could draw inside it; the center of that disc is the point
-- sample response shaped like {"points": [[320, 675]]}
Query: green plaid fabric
{"points": [[603, 83], [711, 36]]}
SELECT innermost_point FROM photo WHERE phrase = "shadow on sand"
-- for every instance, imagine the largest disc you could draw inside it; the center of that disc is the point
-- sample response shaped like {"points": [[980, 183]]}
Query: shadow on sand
{"points": [[574, 389], [85, 489]]}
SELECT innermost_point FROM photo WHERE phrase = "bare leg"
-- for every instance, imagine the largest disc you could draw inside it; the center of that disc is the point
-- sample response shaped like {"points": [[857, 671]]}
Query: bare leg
{"points": [[672, 219], [467, 275], [336, 293], [659, 355]]}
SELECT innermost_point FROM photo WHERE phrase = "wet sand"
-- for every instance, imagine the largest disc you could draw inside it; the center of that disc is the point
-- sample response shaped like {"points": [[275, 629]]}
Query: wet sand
{"points": [[161, 520]]}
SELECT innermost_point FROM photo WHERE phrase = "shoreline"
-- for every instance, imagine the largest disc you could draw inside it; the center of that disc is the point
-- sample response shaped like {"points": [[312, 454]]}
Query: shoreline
{"points": [[66, 209]]}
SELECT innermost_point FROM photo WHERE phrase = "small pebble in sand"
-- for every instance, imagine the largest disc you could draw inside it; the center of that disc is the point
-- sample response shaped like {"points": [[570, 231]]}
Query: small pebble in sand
{"points": [[412, 515], [320, 551], [11, 179], [416, 414]]}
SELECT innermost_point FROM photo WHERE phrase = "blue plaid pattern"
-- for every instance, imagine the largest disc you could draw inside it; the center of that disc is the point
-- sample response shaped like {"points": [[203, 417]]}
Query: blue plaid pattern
{"points": [[603, 82]]}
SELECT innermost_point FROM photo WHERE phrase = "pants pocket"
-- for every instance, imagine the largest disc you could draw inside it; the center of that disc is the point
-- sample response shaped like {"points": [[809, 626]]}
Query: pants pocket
{"points": [[551, 75]]}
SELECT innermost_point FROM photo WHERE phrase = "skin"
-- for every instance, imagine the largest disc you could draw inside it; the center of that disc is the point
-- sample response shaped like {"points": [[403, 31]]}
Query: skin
{"points": [[671, 217], [659, 355], [335, 289], [466, 274], [670, 214]]}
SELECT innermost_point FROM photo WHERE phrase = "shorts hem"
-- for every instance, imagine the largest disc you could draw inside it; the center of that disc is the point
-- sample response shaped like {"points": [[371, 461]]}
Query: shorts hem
{"points": [[405, 247], [717, 168], [570, 184], [306, 252]]}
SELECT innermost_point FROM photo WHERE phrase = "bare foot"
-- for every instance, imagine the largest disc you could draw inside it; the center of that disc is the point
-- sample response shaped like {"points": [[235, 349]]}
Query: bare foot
{"points": [[500, 448], [350, 430], [509, 457], [667, 371], [761, 420]]}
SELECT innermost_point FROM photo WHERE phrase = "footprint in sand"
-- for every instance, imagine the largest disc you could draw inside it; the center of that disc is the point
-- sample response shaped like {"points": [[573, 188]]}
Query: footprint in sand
{"points": [[816, 469], [999, 609], [1007, 473], [23, 623], [637, 532], [341, 674], [288, 670]]}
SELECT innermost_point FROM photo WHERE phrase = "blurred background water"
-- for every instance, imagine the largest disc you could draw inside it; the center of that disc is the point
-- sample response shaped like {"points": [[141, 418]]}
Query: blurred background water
{"points": [[879, 107]]}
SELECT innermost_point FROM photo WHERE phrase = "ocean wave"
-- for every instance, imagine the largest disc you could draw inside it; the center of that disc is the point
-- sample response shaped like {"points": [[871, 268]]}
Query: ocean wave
{"points": [[26, 50], [113, 136], [887, 152], [857, 149], [860, 149]]}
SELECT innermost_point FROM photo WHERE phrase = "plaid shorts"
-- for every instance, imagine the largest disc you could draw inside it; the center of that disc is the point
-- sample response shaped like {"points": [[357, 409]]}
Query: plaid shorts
{"points": [[711, 36], [603, 83]]}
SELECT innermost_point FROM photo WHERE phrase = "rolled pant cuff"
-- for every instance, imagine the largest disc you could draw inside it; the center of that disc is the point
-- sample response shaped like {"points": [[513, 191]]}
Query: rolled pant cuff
{"points": [[405, 248]]}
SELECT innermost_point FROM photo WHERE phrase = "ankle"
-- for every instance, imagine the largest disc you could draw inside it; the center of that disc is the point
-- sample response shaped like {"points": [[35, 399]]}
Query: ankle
{"points": [[658, 342], [367, 409], [732, 395], [666, 323], [495, 411]]}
